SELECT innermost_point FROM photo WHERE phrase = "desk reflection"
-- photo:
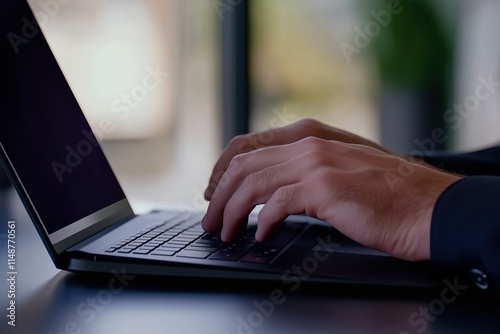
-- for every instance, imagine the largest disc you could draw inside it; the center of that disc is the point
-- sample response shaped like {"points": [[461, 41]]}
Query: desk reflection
{"points": [[85, 304]]}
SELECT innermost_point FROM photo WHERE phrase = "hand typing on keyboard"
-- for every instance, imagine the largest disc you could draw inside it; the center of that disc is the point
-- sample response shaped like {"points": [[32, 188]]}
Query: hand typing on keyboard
{"points": [[374, 197], [184, 237]]}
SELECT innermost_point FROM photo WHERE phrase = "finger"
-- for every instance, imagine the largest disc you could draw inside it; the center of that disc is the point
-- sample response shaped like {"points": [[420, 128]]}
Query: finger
{"points": [[243, 165], [291, 199], [256, 189], [243, 144], [271, 137], [280, 136]]}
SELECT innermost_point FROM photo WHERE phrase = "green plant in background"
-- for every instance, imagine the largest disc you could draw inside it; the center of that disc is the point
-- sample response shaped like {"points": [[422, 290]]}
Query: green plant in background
{"points": [[413, 50], [414, 56]]}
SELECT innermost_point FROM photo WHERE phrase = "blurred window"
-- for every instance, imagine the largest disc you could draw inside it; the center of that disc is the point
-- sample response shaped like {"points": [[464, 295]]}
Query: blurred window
{"points": [[298, 68]]}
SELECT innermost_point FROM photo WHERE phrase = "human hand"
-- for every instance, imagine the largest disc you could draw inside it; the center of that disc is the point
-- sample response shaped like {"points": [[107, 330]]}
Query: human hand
{"points": [[280, 136], [377, 199]]}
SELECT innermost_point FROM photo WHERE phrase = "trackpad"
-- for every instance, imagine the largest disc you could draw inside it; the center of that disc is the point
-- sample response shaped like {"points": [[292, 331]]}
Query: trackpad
{"points": [[329, 240], [346, 248]]}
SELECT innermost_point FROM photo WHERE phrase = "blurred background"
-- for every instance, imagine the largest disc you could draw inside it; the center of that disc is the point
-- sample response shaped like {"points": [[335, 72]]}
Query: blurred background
{"points": [[397, 72]]}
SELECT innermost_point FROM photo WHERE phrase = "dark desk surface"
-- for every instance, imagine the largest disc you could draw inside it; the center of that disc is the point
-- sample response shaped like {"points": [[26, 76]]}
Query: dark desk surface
{"points": [[51, 301]]}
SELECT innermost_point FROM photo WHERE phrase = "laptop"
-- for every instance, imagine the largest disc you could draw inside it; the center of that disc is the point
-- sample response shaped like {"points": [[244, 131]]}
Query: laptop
{"points": [[86, 222]]}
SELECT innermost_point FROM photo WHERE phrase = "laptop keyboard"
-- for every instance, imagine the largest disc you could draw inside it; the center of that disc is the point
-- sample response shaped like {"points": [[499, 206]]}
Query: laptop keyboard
{"points": [[186, 238]]}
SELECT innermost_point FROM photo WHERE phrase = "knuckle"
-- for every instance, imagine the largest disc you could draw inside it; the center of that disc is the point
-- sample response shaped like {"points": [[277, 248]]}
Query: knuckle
{"points": [[329, 182], [316, 158], [250, 183], [236, 140], [268, 175], [240, 143], [260, 180], [236, 165], [283, 195], [313, 143], [325, 177], [237, 159], [307, 124]]}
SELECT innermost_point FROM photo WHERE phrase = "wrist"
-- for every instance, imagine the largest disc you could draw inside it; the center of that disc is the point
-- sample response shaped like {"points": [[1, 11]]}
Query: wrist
{"points": [[421, 212]]}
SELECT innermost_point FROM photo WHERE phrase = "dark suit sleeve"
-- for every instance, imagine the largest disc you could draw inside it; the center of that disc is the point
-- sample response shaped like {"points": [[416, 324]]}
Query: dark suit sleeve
{"points": [[484, 162], [465, 230]]}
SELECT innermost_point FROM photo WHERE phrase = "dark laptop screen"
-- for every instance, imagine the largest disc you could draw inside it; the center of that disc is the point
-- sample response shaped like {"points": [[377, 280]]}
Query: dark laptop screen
{"points": [[42, 129]]}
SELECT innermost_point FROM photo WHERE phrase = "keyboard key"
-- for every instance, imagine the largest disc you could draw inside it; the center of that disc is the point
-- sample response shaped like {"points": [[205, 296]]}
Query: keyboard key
{"points": [[238, 246], [256, 258], [203, 249], [142, 251], [190, 234], [210, 242], [198, 245], [125, 250], [181, 238], [163, 253], [170, 248], [129, 247], [265, 249], [228, 255], [111, 249], [142, 239], [196, 229], [193, 254], [168, 233], [135, 244], [177, 243], [148, 247], [155, 242], [207, 242]]}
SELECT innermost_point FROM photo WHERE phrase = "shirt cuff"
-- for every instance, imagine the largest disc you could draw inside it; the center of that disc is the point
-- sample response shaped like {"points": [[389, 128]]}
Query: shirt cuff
{"points": [[465, 229]]}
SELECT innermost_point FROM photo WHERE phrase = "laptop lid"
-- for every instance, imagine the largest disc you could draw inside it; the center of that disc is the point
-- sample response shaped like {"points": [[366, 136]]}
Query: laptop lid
{"points": [[46, 144]]}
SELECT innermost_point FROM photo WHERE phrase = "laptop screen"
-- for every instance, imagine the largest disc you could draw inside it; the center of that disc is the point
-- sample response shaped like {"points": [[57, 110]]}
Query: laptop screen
{"points": [[44, 135]]}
